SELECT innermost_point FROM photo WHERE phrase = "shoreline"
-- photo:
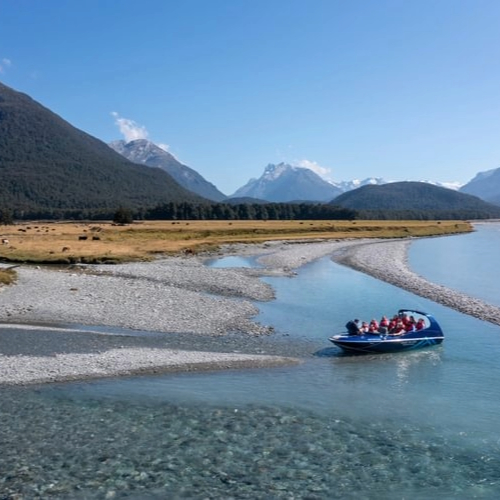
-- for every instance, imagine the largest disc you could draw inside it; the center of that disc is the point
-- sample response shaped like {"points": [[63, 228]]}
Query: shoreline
{"points": [[388, 261], [175, 296]]}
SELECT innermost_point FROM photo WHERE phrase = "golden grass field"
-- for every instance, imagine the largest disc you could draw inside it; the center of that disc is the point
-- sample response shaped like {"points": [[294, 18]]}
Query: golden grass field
{"points": [[98, 242]]}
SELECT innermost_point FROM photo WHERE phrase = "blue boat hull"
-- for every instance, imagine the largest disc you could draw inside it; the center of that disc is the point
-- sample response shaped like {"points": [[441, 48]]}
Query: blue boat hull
{"points": [[384, 343]]}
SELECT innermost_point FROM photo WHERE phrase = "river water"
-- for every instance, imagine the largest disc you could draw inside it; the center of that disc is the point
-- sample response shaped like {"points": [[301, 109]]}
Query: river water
{"points": [[414, 425], [466, 262]]}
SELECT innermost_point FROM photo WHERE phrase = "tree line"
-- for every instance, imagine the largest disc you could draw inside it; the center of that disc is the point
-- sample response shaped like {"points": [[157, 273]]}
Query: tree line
{"points": [[190, 211], [242, 211], [250, 211]]}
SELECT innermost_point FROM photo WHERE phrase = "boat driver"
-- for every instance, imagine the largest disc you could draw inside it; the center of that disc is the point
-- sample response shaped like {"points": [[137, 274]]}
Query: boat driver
{"points": [[353, 327]]}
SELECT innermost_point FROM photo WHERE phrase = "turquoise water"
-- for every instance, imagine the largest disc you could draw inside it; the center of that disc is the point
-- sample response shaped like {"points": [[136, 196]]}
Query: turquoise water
{"points": [[467, 262], [233, 261], [413, 425]]}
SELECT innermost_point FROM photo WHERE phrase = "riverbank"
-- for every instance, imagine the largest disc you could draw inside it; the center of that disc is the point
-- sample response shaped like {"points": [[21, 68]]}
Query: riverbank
{"points": [[76, 309], [123, 319]]}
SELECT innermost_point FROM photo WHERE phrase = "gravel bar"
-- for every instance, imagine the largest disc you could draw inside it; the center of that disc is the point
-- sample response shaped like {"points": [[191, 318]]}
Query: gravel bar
{"points": [[55, 319]]}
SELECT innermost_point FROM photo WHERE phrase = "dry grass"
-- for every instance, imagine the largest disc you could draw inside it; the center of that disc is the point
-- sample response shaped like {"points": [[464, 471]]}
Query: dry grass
{"points": [[7, 276], [105, 242]]}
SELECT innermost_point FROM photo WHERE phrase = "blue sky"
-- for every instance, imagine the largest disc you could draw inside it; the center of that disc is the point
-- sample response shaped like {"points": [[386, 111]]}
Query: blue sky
{"points": [[404, 90]]}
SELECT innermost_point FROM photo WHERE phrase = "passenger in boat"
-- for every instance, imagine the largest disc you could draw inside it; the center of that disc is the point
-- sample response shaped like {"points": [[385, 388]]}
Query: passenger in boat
{"points": [[384, 321], [405, 319], [365, 327], [420, 324], [399, 329], [409, 326], [353, 327], [373, 326], [393, 322]]}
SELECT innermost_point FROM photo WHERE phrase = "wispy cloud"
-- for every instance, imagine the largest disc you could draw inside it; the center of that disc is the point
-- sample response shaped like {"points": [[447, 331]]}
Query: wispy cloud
{"points": [[130, 130], [4, 64], [324, 172]]}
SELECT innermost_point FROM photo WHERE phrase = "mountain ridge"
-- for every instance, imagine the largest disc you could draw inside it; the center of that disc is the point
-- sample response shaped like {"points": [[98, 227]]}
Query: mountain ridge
{"points": [[144, 152], [290, 183], [48, 166]]}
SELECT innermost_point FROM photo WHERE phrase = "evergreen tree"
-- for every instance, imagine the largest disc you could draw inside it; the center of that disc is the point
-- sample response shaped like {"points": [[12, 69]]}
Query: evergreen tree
{"points": [[6, 217], [123, 216]]}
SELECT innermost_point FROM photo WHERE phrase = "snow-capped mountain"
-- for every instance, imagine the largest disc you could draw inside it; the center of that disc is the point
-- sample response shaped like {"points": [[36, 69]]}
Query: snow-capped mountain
{"points": [[286, 183], [378, 181], [454, 186], [147, 153], [279, 183], [354, 184]]}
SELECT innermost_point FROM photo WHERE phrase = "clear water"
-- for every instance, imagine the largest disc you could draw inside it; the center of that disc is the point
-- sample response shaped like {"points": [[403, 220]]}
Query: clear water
{"points": [[467, 262], [232, 261], [422, 424]]}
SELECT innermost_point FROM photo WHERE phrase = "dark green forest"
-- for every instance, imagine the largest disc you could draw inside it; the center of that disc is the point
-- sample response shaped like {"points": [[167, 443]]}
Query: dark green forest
{"points": [[246, 211], [257, 211], [193, 211], [415, 201], [49, 166]]}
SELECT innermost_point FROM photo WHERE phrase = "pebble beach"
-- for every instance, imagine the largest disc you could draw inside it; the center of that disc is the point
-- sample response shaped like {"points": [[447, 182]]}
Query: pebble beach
{"points": [[109, 320]]}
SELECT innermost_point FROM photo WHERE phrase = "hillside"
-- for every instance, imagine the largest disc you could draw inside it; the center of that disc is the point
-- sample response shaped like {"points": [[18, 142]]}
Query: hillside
{"points": [[417, 198], [147, 153], [48, 166]]}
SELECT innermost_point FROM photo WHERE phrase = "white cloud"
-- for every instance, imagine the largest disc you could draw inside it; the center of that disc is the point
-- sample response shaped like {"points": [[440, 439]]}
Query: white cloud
{"points": [[130, 130], [323, 172], [4, 64]]}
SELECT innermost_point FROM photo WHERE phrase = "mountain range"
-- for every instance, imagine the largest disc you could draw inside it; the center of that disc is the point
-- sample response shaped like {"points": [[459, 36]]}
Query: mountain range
{"points": [[288, 183], [48, 168], [282, 183]]}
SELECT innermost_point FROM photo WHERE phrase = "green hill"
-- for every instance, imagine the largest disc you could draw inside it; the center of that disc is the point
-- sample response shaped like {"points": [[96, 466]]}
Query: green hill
{"points": [[415, 200], [47, 166]]}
